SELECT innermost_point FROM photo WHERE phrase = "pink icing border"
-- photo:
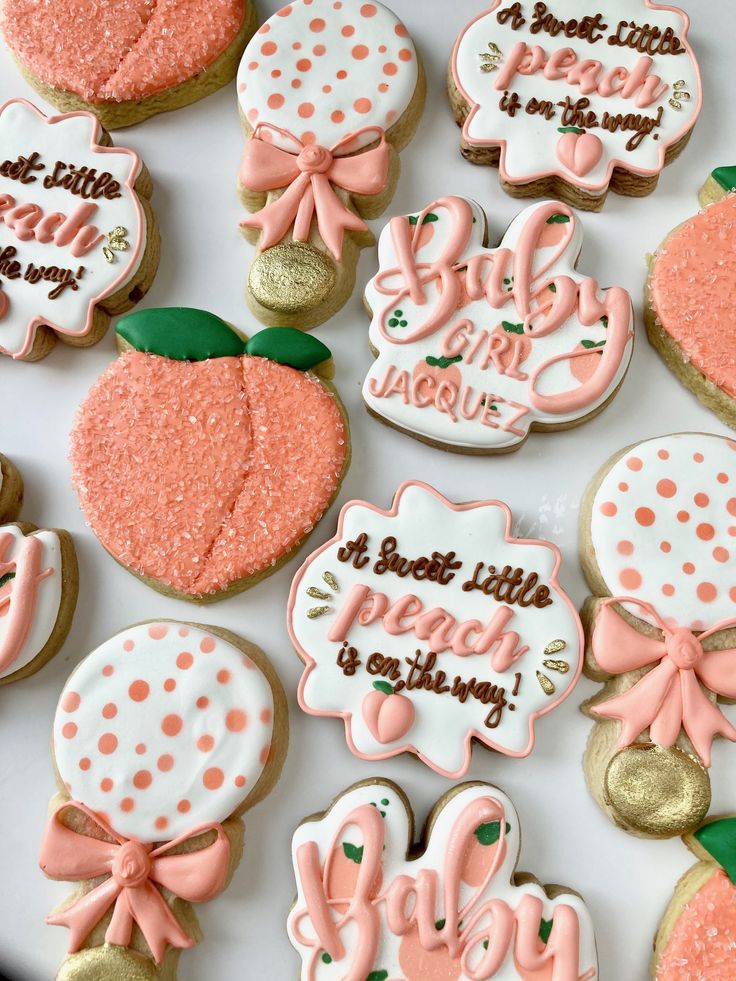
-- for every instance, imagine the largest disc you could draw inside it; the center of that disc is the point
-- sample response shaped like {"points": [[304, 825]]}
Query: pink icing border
{"points": [[566, 176], [472, 733], [129, 183]]}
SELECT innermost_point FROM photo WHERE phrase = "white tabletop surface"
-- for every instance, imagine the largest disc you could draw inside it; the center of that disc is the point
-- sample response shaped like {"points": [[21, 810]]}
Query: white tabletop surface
{"points": [[193, 155]]}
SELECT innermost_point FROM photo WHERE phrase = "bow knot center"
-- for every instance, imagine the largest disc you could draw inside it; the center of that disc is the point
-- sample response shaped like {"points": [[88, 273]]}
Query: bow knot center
{"points": [[314, 159], [684, 648], [131, 865]]}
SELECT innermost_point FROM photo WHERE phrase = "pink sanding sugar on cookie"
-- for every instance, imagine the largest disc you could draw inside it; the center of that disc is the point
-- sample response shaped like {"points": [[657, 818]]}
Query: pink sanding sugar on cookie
{"points": [[703, 940], [220, 467], [119, 50], [692, 287]]}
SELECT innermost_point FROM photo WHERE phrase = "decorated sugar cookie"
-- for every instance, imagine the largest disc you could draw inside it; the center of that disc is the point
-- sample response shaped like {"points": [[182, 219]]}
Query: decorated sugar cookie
{"points": [[429, 625], [163, 737], [78, 239], [572, 102], [39, 582], [691, 281], [657, 529], [329, 93], [476, 347], [697, 935], [472, 915], [128, 59], [202, 460]]}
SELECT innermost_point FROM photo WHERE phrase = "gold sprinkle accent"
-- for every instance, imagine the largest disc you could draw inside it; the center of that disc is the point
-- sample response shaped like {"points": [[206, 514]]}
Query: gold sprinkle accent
{"points": [[109, 257], [317, 593], [488, 67], [545, 683], [680, 83], [317, 611], [490, 61], [554, 646], [331, 581], [494, 47], [554, 665], [115, 241], [291, 277], [680, 94], [675, 104]]}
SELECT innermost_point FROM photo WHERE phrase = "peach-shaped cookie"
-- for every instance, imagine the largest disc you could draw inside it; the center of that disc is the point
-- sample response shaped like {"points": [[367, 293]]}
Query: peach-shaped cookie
{"points": [[203, 460], [450, 907], [128, 59]]}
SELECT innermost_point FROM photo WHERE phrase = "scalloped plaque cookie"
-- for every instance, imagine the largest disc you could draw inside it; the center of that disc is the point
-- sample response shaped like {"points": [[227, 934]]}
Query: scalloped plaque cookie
{"points": [[429, 625], [572, 103]]}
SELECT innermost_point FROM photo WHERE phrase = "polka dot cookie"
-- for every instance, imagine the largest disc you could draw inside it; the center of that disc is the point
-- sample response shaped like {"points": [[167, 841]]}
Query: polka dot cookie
{"points": [[658, 532], [320, 81]]}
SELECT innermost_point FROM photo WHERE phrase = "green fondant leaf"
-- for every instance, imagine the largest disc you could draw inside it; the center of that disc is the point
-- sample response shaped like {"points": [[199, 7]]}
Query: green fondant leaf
{"points": [[718, 838], [428, 218], [512, 328], [180, 333], [354, 853], [287, 345], [442, 362], [383, 686], [439, 924], [545, 928], [326, 959], [489, 833], [6, 578], [558, 219], [377, 976], [569, 129], [591, 344], [726, 177], [385, 801]]}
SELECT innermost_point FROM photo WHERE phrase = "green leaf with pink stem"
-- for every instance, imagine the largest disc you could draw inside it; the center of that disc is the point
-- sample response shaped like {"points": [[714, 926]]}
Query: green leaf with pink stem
{"points": [[442, 362]]}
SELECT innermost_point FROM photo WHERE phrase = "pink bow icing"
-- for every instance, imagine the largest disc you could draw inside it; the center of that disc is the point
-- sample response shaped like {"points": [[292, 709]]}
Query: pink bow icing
{"points": [[134, 870], [19, 603], [308, 176], [668, 697]]}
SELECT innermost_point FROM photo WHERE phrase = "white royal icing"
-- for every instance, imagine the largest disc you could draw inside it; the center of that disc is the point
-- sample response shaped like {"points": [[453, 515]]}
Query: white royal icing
{"points": [[404, 956], [530, 142], [322, 70], [71, 139], [488, 400], [423, 522], [163, 728], [663, 528]]}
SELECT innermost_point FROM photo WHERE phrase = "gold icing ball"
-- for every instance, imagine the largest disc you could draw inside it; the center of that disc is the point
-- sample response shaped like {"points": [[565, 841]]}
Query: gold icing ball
{"points": [[291, 277], [110, 962], [656, 791]]}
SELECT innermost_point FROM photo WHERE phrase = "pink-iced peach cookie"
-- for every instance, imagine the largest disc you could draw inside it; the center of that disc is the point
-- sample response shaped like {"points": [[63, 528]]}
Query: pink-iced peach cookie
{"points": [[39, 583], [163, 737], [657, 547], [688, 300], [78, 239], [429, 625], [570, 103], [128, 59], [356, 863], [202, 459], [328, 94]]}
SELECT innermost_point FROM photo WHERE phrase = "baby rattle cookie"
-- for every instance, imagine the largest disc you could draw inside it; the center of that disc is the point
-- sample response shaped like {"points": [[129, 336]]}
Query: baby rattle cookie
{"points": [[477, 347], [429, 625], [163, 737], [690, 288], [39, 582], [78, 239], [657, 527], [697, 935], [329, 93], [571, 104], [128, 59], [473, 916], [203, 460]]}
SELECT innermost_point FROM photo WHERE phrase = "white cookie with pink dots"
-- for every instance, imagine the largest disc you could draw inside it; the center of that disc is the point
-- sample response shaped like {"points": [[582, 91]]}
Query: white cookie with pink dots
{"points": [[165, 727]]}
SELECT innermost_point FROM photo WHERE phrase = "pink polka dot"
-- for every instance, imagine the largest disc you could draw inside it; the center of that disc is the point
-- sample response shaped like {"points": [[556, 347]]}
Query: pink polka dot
{"points": [[319, 50], [348, 30], [223, 676], [327, 89], [317, 25], [363, 105], [705, 531], [276, 73], [275, 101], [688, 568], [663, 454], [401, 31], [731, 505], [165, 762], [630, 579], [205, 744], [127, 804], [296, 83], [644, 516], [239, 781], [269, 48], [236, 720], [634, 463], [107, 743], [85, 763], [625, 548], [337, 116], [722, 478], [161, 823], [707, 592], [183, 807], [252, 115], [128, 645], [383, 87], [169, 684], [213, 778], [666, 488], [252, 65], [390, 68], [139, 690], [623, 486], [668, 589], [202, 702], [665, 546], [702, 500], [106, 785], [303, 65], [698, 457], [265, 28], [368, 10], [360, 52], [140, 749], [306, 110], [142, 779], [264, 755], [71, 701], [109, 711], [297, 46], [732, 530], [266, 716], [158, 631], [405, 54], [207, 645], [172, 725], [108, 670], [608, 508], [183, 631], [185, 660], [683, 517], [732, 594], [720, 554]]}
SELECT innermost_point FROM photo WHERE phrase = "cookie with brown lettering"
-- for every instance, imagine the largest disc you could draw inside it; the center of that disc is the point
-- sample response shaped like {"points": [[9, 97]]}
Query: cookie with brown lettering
{"points": [[429, 625], [128, 59], [572, 104]]}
